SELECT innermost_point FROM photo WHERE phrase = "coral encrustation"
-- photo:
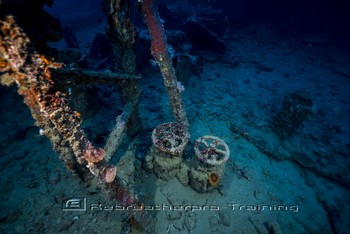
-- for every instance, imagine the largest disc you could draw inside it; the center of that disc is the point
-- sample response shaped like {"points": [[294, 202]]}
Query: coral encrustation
{"points": [[49, 107]]}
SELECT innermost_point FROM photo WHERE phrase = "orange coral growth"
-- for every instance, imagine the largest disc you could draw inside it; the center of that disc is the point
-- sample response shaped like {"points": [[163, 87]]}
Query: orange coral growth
{"points": [[49, 64], [3, 64], [213, 179], [77, 114], [45, 60]]}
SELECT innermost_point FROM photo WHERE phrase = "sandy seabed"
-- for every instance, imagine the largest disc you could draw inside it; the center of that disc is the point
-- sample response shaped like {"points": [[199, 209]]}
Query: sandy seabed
{"points": [[264, 189]]}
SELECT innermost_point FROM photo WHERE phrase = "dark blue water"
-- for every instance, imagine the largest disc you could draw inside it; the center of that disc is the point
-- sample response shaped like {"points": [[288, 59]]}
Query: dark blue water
{"points": [[269, 78]]}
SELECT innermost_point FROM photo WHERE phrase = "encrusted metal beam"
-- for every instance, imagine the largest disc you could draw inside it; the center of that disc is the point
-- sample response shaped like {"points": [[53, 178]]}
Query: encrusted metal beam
{"points": [[80, 76], [115, 136]]}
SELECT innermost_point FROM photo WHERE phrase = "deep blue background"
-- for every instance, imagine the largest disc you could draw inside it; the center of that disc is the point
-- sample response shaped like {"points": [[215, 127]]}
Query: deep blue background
{"points": [[327, 18]]}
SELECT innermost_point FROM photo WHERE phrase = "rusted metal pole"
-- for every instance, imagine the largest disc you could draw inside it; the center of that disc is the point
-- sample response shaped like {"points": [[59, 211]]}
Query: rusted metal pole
{"points": [[160, 53]]}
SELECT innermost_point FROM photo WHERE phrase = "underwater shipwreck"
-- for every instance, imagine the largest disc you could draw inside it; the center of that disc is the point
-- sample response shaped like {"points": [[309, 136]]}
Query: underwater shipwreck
{"points": [[160, 159]]}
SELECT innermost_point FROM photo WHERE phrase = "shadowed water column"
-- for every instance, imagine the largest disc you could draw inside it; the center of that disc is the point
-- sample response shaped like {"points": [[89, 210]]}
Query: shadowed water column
{"points": [[160, 53], [122, 36]]}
